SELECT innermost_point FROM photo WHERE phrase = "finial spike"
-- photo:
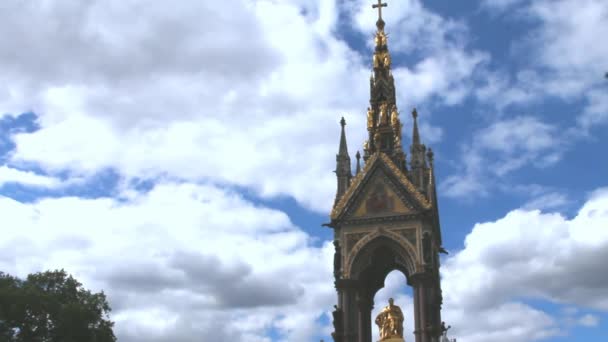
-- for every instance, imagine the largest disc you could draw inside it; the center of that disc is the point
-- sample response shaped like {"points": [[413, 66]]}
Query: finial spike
{"points": [[379, 5]]}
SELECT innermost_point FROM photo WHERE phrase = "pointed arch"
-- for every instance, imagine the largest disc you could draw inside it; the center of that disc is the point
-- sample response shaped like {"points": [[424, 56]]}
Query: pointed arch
{"points": [[359, 257]]}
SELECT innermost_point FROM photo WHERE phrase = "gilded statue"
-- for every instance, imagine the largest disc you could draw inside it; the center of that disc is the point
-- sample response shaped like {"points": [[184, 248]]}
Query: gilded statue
{"points": [[380, 38], [370, 118], [395, 118], [398, 138], [376, 61], [387, 60], [383, 117], [390, 322]]}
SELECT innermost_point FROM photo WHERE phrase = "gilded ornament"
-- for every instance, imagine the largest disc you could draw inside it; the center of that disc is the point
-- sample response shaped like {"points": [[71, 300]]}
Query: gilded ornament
{"points": [[370, 118], [377, 140], [397, 140]]}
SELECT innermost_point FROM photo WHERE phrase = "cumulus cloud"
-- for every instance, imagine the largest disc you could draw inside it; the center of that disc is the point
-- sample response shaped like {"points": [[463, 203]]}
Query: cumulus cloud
{"points": [[177, 255], [12, 175], [501, 148], [528, 255], [589, 320], [149, 97], [563, 59]]}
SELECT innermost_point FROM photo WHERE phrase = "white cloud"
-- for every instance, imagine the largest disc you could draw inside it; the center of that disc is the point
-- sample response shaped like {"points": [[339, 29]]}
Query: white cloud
{"points": [[501, 148], [196, 92], [502, 323], [550, 200], [178, 255], [527, 255], [12, 175], [589, 320], [500, 5], [561, 57], [596, 111]]}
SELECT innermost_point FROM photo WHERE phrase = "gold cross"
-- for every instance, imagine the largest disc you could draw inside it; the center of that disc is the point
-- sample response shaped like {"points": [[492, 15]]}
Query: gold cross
{"points": [[379, 6]]}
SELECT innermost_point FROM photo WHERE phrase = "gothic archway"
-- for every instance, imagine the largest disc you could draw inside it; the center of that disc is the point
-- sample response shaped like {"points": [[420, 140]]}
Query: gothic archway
{"points": [[396, 287], [372, 259]]}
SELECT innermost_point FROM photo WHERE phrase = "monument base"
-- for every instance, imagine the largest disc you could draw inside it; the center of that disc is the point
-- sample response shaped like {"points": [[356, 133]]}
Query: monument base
{"points": [[393, 339]]}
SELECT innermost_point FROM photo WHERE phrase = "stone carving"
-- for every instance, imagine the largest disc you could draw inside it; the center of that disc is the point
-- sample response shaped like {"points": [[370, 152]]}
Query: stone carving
{"points": [[337, 259], [352, 239], [426, 248], [338, 325], [409, 235]]}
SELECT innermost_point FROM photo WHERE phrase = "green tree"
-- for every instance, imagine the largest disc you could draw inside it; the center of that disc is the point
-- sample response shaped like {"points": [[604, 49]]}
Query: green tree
{"points": [[52, 307]]}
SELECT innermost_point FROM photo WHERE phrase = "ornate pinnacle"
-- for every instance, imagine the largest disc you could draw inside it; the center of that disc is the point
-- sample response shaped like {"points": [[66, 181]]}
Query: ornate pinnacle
{"points": [[429, 155], [343, 150], [415, 134]]}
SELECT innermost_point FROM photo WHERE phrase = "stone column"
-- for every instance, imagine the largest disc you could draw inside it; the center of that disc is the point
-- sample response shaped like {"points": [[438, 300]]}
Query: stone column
{"points": [[347, 290], [421, 307], [365, 323], [417, 327]]}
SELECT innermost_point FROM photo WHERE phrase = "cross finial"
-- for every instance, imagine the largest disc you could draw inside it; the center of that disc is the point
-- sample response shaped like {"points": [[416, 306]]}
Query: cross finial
{"points": [[379, 6]]}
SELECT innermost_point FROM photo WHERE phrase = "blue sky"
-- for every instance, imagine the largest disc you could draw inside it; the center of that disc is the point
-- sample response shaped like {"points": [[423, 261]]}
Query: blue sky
{"points": [[181, 159]]}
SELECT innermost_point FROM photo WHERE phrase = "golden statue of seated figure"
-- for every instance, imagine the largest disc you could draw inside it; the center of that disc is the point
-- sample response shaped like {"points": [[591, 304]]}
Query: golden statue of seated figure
{"points": [[390, 323]]}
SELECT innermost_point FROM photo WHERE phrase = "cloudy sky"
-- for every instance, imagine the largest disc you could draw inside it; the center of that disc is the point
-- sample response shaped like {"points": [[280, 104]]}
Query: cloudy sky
{"points": [[178, 155]]}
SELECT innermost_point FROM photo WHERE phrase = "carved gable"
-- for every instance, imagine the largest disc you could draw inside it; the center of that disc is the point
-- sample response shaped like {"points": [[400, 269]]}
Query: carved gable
{"points": [[380, 189], [380, 198]]}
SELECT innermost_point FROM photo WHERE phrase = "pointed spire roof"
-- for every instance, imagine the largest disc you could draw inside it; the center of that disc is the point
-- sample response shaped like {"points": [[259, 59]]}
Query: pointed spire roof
{"points": [[383, 122], [415, 134], [343, 150]]}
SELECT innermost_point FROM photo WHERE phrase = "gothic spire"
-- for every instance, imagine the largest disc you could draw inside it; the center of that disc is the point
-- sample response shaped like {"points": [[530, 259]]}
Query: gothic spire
{"points": [[417, 155], [383, 123], [415, 134], [343, 149], [343, 172]]}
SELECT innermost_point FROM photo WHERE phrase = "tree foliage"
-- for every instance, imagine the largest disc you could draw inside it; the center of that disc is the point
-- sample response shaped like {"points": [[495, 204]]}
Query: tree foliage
{"points": [[52, 306]]}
